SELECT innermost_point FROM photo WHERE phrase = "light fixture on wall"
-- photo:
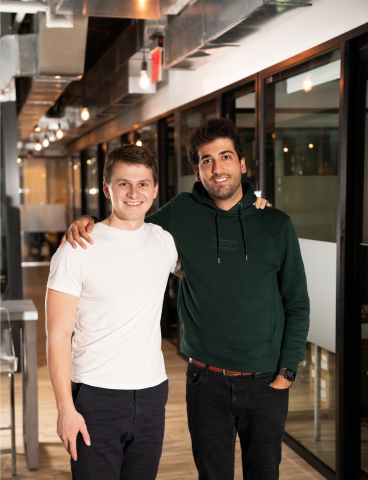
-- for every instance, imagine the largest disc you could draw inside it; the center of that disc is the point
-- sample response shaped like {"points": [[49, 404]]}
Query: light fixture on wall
{"points": [[19, 160], [59, 133], [139, 143], [45, 142], [38, 146], [285, 149], [311, 145]]}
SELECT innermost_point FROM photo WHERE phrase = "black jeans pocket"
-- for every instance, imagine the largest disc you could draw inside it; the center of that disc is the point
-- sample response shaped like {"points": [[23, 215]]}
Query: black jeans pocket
{"points": [[268, 378], [194, 374]]}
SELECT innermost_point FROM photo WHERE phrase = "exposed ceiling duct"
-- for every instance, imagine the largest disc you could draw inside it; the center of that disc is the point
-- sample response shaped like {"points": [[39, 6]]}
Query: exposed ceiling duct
{"points": [[212, 27], [141, 10], [110, 85], [18, 57], [60, 54], [53, 20]]}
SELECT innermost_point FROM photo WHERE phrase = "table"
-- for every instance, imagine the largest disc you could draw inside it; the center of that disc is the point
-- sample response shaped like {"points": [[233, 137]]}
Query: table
{"points": [[23, 315]]}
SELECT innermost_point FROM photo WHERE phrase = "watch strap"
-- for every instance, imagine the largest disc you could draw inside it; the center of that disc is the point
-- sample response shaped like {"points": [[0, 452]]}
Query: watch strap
{"points": [[287, 373]]}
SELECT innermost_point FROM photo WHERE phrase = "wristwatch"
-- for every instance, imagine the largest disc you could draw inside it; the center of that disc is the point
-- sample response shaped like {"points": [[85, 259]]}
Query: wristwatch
{"points": [[287, 373]]}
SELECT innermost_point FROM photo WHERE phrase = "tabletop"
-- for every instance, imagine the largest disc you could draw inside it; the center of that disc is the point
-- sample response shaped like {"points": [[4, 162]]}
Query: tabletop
{"points": [[19, 310]]}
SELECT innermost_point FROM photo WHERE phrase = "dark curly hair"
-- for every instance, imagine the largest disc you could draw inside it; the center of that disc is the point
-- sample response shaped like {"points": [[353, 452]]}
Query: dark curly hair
{"points": [[209, 131], [132, 155]]}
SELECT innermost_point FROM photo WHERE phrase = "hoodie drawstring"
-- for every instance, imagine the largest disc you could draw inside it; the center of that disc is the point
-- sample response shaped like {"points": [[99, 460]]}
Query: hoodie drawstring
{"points": [[243, 230], [217, 235]]}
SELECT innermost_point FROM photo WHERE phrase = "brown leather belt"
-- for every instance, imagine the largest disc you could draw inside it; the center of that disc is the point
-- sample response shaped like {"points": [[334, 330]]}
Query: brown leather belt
{"points": [[216, 369]]}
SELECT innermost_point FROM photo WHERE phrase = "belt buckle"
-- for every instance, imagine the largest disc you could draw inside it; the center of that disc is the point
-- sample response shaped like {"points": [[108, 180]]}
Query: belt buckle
{"points": [[230, 374]]}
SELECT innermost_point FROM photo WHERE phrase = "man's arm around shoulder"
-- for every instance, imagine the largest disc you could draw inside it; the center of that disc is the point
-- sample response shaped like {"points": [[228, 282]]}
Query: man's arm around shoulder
{"points": [[61, 309]]}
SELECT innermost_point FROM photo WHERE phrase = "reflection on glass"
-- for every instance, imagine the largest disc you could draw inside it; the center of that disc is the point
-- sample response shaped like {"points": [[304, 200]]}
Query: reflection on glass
{"points": [[188, 121], [147, 137], [171, 161], [245, 108], [92, 186], [3, 226], [302, 147], [301, 122], [76, 185], [46, 205], [364, 302], [111, 144]]}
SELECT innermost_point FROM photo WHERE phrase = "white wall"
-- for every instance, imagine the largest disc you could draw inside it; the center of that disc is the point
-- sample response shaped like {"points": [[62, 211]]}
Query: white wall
{"points": [[279, 39]]}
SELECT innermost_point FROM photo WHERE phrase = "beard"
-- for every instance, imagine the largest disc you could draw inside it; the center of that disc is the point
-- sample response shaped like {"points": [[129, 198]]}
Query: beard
{"points": [[226, 191]]}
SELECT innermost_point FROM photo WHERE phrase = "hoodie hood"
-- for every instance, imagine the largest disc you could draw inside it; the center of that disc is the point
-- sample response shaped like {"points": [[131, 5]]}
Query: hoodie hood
{"points": [[200, 194]]}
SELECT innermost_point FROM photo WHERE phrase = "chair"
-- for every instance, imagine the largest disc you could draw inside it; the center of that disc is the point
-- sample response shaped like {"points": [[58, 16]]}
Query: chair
{"points": [[9, 364]]}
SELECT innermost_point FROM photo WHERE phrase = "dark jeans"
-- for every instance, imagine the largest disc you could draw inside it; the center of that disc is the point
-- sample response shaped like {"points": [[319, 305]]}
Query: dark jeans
{"points": [[219, 406], [126, 429]]}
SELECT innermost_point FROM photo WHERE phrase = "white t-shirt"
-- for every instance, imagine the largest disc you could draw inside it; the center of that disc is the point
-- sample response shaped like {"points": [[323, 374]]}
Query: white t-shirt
{"points": [[120, 281]]}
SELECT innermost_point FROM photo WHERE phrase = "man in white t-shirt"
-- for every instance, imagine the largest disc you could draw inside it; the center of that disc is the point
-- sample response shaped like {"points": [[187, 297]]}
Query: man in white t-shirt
{"points": [[103, 310]]}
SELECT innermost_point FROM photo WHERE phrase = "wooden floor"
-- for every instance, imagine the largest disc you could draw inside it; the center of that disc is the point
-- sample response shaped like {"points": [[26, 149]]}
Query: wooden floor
{"points": [[176, 463]]}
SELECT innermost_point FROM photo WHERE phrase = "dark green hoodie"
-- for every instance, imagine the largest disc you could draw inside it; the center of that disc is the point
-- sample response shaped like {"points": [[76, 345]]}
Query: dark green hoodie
{"points": [[243, 296]]}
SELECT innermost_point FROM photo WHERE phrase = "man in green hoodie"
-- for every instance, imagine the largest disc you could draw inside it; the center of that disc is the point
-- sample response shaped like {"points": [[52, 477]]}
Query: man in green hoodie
{"points": [[244, 306]]}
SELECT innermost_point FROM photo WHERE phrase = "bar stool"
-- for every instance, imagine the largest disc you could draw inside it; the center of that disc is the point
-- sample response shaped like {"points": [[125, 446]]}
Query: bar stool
{"points": [[9, 364]]}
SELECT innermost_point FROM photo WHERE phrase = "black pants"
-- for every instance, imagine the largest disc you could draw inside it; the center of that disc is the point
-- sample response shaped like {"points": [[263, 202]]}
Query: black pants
{"points": [[126, 429], [219, 406]]}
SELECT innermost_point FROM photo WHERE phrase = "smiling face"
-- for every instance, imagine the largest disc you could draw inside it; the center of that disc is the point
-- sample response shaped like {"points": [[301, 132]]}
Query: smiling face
{"points": [[131, 191], [220, 172]]}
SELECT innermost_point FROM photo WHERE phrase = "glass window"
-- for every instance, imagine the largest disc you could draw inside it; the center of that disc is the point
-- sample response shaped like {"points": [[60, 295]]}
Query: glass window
{"points": [[111, 144], [188, 121], [92, 186], [301, 124], [302, 145], [245, 120], [364, 298], [76, 185], [172, 179], [46, 205], [147, 137]]}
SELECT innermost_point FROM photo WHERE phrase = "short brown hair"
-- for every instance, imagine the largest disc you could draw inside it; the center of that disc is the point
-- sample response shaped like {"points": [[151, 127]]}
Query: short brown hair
{"points": [[132, 155], [209, 131]]}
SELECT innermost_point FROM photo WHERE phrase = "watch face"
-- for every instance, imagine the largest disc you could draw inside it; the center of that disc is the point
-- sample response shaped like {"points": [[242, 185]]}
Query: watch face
{"points": [[290, 375]]}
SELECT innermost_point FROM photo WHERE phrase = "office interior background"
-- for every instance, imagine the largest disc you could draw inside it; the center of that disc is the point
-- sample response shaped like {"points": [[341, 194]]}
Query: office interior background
{"points": [[80, 78]]}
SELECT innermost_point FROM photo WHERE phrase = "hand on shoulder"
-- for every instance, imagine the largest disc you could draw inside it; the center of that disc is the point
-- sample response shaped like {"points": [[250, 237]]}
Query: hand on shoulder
{"points": [[79, 228], [261, 203]]}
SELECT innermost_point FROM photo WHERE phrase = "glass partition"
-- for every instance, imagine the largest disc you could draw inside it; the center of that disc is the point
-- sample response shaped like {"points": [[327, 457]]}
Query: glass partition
{"points": [[147, 137], [92, 185], [302, 131], [172, 173], [188, 121], [75, 164], [46, 192], [111, 144], [245, 120], [363, 254]]}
